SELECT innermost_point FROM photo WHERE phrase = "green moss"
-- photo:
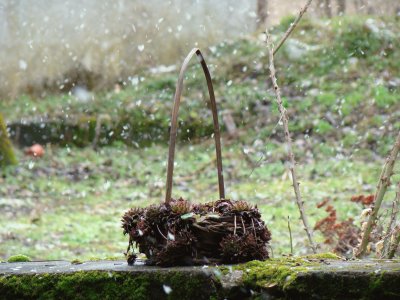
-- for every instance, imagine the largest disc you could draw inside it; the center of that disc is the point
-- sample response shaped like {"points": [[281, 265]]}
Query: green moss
{"points": [[278, 272], [76, 262], [306, 277], [107, 258], [224, 270], [7, 156], [271, 273], [376, 281], [328, 255], [107, 285], [19, 258]]}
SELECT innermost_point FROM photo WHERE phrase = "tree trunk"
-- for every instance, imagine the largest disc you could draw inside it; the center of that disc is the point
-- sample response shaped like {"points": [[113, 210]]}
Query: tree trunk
{"points": [[359, 5], [7, 156], [262, 14], [328, 8], [341, 7], [363, 6], [324, 8]]}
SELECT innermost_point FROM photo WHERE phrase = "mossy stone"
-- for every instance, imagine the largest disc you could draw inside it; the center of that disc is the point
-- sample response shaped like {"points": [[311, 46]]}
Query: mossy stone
{"points": [[108, 285]]}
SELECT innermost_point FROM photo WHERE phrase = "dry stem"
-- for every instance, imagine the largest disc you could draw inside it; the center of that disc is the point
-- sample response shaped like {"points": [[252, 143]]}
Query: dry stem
{"points": [[389, 230], [383, 184], [394, 242], [292, 167], [290, 235], [293, 26], [99, 122]]}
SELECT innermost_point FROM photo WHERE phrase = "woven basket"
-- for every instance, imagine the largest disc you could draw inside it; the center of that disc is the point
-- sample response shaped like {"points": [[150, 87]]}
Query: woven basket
{"points": [[177, 232]]}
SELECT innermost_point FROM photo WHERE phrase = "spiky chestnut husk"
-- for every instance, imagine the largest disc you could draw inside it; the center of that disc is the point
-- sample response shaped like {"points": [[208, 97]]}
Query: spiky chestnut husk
{"points": [[201, 209], [241, 205], [131, 258], [178, 251], [153, 214], [180, 206], [237, 249], [172, 254], [219, 206], [263, 233], [223, 206], [130, 218], [230, 246]]}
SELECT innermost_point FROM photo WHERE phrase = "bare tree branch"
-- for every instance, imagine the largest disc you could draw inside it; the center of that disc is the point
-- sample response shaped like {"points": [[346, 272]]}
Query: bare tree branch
{"points": [[292, 166], [383, 184], [292, 26]]}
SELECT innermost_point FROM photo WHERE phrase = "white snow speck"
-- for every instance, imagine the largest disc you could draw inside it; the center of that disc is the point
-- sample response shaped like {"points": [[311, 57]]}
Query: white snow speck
{"points": [[167, 289], [107, 185], [171, 236], [23, 65], [252, 14]]}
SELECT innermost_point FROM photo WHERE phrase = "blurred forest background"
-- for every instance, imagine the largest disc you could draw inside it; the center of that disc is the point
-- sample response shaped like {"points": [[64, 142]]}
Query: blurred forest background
{"points": [[49, 46], [86, 91]]}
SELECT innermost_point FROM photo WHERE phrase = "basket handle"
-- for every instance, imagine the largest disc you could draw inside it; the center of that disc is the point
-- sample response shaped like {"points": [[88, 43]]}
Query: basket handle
{"points": [[174, 124]]}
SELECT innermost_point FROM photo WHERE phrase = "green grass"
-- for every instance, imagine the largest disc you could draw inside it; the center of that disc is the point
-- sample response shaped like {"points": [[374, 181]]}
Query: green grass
{"points": [[69, 204]]}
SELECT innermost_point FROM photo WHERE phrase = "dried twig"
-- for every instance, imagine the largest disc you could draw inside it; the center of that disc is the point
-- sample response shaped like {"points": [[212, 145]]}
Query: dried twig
{"points": [[394, 242], [389, 230], [292, 166], [99, 122], [244, 227], [234, 222], [290, 235], [292, 26], [161, 233], [383, 184]]}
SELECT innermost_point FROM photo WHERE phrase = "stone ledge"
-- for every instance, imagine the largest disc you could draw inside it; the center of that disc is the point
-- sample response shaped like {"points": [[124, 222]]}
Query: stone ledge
{"points": [[299, 278]]}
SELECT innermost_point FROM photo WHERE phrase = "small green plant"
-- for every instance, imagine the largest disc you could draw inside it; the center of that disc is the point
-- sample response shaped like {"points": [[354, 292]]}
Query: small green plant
{"points": [[327, 99], [323, 127], [383, 97]]}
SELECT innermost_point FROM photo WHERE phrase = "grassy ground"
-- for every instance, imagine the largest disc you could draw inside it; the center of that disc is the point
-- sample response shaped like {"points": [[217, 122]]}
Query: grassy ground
{"points": [[345, 110], [69, 204]]}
